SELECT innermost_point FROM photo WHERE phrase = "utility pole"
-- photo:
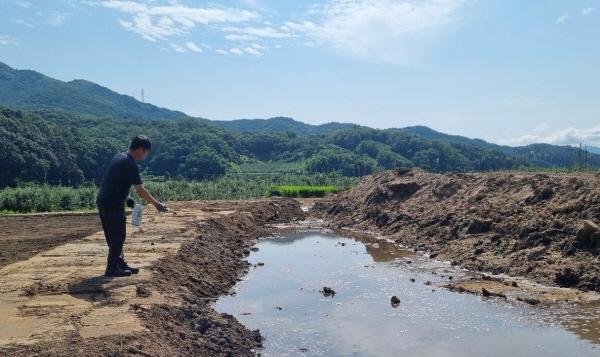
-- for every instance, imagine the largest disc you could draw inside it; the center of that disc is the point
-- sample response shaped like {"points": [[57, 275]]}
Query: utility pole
{"points": [[143, 95]]}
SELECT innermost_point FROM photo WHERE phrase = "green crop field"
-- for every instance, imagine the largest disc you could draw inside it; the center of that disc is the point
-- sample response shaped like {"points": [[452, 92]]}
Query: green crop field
{"points": [[40, 198], [31, 198], [302, 191]]}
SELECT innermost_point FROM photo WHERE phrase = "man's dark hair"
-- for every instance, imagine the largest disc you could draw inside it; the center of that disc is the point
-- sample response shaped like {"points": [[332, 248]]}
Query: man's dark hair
{"points": [[140, 141]]}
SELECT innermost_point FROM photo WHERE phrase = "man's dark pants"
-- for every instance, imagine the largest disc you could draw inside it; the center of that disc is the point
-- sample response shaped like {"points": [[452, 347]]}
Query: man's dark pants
{"points": [[113, 223]]}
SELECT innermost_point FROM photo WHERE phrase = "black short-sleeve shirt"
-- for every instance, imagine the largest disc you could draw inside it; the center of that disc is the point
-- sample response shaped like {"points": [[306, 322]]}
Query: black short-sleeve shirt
{"points": [[122, 172]]}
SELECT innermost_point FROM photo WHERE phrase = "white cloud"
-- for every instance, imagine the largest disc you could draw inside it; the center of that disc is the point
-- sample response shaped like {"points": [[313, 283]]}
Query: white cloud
{"points": [[563, 18], [240, 38], [268, 32], [178, 48], [392, 31], [22, 23], [155, 22], [23, 3], [255, 4], [253, 51], [389, 31], [193, 47], [57, 18], [6, 40], [567, 136], [524, 102], [587, 11]]}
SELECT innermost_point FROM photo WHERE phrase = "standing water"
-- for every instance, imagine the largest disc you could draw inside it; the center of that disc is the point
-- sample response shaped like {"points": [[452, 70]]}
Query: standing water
{"points": [[285, 300]]}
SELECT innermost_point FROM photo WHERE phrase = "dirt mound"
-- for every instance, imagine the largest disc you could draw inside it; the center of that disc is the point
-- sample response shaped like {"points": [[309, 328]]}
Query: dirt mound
{"points": [[542, 226]]}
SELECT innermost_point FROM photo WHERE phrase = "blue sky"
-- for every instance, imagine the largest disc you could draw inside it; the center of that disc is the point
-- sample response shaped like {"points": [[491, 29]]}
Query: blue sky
{"points": [[508, 71]]}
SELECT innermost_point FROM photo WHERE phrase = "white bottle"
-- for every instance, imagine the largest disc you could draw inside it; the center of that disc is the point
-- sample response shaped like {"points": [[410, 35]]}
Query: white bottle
{"points": [[136, 215]]}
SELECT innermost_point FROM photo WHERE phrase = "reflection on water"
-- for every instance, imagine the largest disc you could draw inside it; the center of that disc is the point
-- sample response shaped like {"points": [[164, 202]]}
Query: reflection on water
{"points": [[282, 299]]}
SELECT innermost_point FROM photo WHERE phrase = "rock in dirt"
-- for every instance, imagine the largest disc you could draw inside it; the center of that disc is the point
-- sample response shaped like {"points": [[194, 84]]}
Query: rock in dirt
{"points": [[478, 226], [446, 190], [567, 277], [540, 194], [588, 237], [202, 325], [143, 291], [528, 300], [486, 293], [403, 190], [328, 292], [135, 351]]}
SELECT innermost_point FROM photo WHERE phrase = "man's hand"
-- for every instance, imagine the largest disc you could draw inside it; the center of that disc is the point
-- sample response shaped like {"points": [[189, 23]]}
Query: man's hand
{"points": [[130, 202], [161, 207]]}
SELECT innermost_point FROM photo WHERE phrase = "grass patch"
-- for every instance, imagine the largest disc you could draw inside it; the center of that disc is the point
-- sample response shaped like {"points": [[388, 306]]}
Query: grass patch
{"points": [[302, 191]]}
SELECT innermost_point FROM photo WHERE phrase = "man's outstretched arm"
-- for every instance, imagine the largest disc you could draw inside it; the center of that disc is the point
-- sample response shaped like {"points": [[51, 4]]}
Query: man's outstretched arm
{"points": [[141, 190]]}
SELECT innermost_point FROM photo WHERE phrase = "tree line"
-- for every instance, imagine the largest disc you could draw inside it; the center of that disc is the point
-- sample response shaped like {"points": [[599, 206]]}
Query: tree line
{"points": [[54, 146]]}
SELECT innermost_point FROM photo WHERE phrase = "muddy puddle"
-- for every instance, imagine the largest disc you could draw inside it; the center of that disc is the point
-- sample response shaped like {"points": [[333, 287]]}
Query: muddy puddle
{"points": [[283, 297]]}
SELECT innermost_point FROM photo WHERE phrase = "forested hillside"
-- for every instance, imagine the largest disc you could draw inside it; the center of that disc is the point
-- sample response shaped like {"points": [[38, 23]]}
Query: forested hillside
{"points": [[51, 145], [30, 90], [68, 131], [27, 89], [280, 125]]}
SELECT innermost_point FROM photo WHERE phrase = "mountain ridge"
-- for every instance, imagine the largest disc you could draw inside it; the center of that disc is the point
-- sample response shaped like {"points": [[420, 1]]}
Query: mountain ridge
{"points": [[281, 124], [31, 90]]}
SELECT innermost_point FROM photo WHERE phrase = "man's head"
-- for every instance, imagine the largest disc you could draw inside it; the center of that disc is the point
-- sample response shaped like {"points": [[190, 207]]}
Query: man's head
{"points": [[140, 147]]}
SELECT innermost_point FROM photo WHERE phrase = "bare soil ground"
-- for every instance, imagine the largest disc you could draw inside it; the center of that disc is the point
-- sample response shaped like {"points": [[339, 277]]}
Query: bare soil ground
{"points": [[57, 303], [23, 236], [538, 226], [54, 300]]}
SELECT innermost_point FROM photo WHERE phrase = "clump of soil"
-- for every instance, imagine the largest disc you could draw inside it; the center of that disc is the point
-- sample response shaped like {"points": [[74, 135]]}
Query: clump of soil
{"points": [[542, 226], [201, 271]]}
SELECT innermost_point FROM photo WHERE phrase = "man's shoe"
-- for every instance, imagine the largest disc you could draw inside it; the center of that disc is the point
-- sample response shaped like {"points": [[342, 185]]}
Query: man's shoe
{"points": [[123, 265], [115, 271]]}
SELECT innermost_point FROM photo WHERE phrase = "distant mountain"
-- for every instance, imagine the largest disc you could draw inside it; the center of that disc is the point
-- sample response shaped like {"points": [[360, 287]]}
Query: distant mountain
{"points": [[543, 155], [280, 125], [30, 90], [594, 149], [25, 89], [428, 133]]}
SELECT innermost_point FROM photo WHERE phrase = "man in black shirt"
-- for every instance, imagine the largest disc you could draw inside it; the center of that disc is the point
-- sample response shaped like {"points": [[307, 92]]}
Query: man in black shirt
{"points": [[121, 174]]}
